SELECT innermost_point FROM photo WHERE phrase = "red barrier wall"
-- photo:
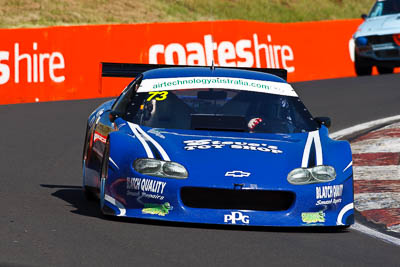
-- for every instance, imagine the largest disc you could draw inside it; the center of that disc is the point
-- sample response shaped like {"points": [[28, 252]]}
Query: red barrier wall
{"points": [[61, 63]]}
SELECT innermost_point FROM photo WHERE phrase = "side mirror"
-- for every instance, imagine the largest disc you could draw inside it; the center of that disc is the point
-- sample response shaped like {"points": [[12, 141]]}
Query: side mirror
{"points": [[364, 16], [326, 121], [114, 115]]}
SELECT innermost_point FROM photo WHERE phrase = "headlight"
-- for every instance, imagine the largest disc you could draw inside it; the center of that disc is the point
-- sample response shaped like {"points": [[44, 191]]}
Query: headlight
{"points": [[299, 176], [317, 174], [323, 173], [159, 168]]}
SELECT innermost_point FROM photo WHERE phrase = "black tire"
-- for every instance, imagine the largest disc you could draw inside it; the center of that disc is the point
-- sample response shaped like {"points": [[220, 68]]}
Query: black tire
{"points": [[103, 174], [88, 192], [85, 143], [104, 162], [385, 70], [362, 67]]}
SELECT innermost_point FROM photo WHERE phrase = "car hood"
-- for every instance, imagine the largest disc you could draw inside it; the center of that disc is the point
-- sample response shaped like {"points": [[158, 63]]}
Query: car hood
{"points": [[222, 159], [381, 25]]}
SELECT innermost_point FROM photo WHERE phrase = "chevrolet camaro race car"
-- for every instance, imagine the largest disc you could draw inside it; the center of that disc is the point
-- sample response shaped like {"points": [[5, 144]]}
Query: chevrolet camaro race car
{"points": [[217, 146], [377, 40]]}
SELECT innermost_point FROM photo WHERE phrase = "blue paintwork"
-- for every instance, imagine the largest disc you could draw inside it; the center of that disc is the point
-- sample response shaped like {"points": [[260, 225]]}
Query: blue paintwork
{"points": [[207, 168]]}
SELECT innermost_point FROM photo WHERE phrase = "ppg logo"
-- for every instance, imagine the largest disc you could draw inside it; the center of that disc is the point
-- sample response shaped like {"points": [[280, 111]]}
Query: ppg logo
{"points": [[236, 216]]}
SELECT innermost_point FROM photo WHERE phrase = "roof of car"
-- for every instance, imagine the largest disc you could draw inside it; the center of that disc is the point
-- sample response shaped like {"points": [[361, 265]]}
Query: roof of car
{"points": [[209, 72]]}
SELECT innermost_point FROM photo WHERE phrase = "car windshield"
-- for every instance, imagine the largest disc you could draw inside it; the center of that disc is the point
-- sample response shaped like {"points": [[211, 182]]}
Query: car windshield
{"points": [[386, 7], [217, 109]]}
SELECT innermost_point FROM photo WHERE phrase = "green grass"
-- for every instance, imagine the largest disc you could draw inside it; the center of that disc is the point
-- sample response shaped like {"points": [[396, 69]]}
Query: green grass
{"points": [[34, 13]]}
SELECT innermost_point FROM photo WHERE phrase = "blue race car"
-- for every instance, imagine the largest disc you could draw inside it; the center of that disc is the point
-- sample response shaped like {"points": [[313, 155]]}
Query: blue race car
{"points": [[217, 146]]}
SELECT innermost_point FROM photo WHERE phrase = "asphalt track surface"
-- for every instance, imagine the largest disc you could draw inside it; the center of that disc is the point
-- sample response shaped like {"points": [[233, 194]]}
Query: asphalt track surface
{"points": [[45, 220]]}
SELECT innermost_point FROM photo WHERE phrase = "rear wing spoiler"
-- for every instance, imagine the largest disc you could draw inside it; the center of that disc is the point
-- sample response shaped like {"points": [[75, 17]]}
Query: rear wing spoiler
{"points": [[130, 70]]}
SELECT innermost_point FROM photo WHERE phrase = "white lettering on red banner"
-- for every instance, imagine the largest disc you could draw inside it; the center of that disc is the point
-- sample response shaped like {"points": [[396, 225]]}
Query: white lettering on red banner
{"points": [[243, 53], [30, 65]]}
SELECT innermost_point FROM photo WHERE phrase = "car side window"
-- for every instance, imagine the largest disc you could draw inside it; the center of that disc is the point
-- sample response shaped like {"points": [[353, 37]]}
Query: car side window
{"points": [[377, 10], [123, 102]]}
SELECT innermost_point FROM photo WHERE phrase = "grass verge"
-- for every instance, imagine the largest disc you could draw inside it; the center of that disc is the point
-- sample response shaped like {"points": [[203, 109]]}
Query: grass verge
{"points": [[34, 13]]}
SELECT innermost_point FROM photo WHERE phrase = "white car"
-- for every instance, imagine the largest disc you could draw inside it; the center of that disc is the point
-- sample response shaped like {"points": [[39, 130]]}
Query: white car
{"points": [[377, 40]]}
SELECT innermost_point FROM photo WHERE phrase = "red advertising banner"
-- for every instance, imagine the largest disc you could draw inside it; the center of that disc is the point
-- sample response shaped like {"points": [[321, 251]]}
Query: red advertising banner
{"points": [[62, 63]]}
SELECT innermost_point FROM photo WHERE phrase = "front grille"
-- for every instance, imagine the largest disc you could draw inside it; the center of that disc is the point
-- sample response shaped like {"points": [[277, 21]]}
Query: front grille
{"points": [[380, 39], [213, 198], [387, 53]]}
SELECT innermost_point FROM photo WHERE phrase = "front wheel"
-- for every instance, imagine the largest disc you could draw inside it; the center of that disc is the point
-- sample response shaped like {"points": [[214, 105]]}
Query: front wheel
{"points": [[362, 67], [104, 173], [385, 70]]}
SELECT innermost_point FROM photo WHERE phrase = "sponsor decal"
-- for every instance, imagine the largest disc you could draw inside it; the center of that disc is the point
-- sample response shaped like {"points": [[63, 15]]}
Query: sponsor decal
{"points": [[141, 195], [329, 194], [99, 137], [211, 144], [166, 84], [237, 174], [157, 209], [236, 216], [160, 96], [252, 52], [146, 188], [31, 66], [313, 217]]}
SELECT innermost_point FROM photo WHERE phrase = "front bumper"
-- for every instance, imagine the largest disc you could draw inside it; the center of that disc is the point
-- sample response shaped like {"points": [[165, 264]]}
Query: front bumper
{"points": [[379, 50], [328, 204]]}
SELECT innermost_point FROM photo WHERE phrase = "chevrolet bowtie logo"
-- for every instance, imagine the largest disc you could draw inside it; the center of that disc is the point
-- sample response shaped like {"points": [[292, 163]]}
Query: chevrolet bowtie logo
{"points": [[237, 174]]}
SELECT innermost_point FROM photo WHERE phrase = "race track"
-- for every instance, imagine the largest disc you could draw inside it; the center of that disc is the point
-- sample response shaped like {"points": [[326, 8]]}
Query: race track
{"points": [[47, 222]]}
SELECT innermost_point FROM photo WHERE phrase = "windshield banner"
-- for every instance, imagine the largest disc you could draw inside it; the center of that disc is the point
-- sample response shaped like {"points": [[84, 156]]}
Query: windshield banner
{"points": [[167, 84]]}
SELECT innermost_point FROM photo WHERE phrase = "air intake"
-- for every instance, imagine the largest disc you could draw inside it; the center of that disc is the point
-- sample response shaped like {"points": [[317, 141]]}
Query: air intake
{"points": [[213, 198]]}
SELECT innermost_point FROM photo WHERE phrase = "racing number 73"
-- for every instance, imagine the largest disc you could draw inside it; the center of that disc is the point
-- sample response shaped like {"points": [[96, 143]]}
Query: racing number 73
{"points": [[162, 95]]}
